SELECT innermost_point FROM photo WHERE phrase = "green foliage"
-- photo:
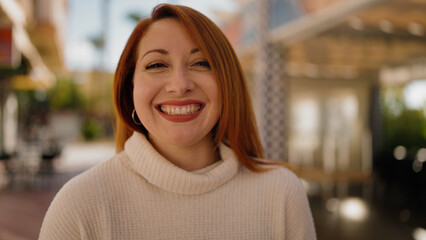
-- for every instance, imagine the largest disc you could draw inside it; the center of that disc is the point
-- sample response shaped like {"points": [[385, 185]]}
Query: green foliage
{"points": [[401, 126], [65, 95], [97, 41], [91, 128], [135, 17]]}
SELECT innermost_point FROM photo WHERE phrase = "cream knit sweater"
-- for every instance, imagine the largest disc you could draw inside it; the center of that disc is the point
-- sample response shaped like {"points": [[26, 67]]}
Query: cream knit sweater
{"points": [[140, 195]]}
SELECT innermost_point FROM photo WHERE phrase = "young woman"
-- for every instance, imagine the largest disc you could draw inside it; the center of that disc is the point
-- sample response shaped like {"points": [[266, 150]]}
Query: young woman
{"points": [[189, 160]]}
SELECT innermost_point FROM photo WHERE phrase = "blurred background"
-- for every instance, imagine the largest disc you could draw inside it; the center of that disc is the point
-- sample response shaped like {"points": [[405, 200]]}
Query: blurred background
{"points": [[339, 89]]}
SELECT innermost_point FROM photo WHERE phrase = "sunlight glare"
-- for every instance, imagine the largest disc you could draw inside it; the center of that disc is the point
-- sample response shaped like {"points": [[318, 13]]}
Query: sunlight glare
{"points": [[419, 234], [415, 94], [354, 209]]}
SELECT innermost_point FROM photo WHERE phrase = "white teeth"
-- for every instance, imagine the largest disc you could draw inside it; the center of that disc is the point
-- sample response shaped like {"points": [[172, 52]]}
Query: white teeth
{"points": [[180, 110]]}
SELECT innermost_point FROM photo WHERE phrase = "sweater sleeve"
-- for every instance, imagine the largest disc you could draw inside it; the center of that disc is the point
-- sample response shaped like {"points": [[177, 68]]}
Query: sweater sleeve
{"points": [[61, 220], [299, 222]]}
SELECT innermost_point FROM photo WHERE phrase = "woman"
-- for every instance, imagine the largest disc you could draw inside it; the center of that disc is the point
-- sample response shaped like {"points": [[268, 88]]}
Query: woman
{"points": [[188, 163]]}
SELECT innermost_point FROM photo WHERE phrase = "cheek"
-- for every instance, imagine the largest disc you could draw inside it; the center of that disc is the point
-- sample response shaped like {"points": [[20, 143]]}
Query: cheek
{"points": [[212, 91], [142, 100], [143, 93]]}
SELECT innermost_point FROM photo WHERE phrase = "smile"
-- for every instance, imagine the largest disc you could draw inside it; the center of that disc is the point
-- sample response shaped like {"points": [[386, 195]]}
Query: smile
{"points": [[180, 110]]}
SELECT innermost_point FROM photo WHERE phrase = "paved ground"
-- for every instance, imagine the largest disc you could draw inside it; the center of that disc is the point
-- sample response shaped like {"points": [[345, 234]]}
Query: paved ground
{"points": [[25, 197], [23, 205], [22, 212], [378, 224]]}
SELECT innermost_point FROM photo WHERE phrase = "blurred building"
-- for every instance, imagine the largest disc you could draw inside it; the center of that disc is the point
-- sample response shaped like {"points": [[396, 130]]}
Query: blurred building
{"points": [[32, 54], [318, 72], [316, 68]]}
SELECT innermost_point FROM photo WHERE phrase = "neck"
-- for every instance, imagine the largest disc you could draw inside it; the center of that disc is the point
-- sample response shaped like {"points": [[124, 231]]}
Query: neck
{"points": [[189, 158]]}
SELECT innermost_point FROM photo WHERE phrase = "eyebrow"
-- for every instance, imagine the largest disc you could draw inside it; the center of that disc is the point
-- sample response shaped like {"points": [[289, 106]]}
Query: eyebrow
{"points": [[161, 51], [164, 52], [195, 50]]}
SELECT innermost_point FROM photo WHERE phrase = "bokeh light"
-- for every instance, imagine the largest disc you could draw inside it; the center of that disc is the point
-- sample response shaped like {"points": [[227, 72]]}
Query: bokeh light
{"points": [[417, 166], [419, 234], [354, 209], [400, 152], [421, 155]]}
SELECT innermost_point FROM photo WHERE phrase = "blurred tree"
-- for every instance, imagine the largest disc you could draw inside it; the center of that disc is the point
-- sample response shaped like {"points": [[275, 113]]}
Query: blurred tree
{"points": [[135, 17], [97, 41], [401, 126], [91, 128], [401, 184], [65, 95]]}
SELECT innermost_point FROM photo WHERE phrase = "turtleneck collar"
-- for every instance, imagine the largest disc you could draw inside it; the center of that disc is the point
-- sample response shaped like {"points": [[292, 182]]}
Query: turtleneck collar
{"points": [[157, 170]]}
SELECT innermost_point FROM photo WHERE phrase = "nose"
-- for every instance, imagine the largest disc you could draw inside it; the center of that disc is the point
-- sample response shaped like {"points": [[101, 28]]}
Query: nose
{"points": [[179, 83]]}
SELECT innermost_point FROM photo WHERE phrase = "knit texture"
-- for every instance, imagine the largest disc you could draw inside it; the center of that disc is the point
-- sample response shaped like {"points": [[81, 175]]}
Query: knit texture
{"points": [[138, 194]]}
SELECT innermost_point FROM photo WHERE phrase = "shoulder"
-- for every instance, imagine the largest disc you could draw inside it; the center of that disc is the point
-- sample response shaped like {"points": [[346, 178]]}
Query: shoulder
{"points": [[286, 193], [279, 179], [278, 182], [275, 175], [88, 185], [78, 200]]}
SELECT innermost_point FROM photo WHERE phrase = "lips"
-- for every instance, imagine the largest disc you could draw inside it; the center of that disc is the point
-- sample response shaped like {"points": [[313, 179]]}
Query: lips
{"points": [[180, 111]]}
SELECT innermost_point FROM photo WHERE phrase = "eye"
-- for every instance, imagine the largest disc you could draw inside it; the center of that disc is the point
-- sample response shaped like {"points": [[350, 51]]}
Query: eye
{"points": [[154, 66], [202, 65]]}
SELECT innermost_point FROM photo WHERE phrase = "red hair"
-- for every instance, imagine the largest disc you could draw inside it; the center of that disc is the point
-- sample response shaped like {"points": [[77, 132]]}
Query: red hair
{"points": [[236, 126]]}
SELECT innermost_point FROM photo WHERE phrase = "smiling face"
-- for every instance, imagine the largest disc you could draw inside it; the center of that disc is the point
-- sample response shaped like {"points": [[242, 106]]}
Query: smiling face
{"points": [[175, 93]]}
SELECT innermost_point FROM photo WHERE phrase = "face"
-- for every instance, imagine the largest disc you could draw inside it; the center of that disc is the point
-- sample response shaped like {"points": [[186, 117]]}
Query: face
{"points": [[175, 94]]}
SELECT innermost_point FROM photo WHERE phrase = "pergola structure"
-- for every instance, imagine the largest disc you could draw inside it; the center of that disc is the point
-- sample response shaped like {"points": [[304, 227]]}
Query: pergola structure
{"points": [[389, 33], [332, 63]]}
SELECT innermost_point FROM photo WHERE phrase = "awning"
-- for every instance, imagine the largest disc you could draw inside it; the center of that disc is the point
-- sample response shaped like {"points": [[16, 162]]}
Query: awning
{"points": [[41, 75], [382, 41], [312, 24]]}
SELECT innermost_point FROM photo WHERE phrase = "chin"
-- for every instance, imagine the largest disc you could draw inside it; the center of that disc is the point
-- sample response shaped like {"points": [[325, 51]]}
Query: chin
{"points": [[184, 139]]}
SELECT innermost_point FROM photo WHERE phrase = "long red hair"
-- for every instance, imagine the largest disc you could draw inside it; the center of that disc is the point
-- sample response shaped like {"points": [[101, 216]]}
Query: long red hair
{"points": [[236, 126]]}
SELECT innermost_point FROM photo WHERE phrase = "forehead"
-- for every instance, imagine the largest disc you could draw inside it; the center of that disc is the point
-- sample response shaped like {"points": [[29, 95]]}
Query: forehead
{"points": [[168, 32]]}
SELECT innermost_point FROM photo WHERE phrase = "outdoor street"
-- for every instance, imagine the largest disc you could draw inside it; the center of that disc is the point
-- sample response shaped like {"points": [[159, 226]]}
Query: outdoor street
{"points": [[23, 205]]}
